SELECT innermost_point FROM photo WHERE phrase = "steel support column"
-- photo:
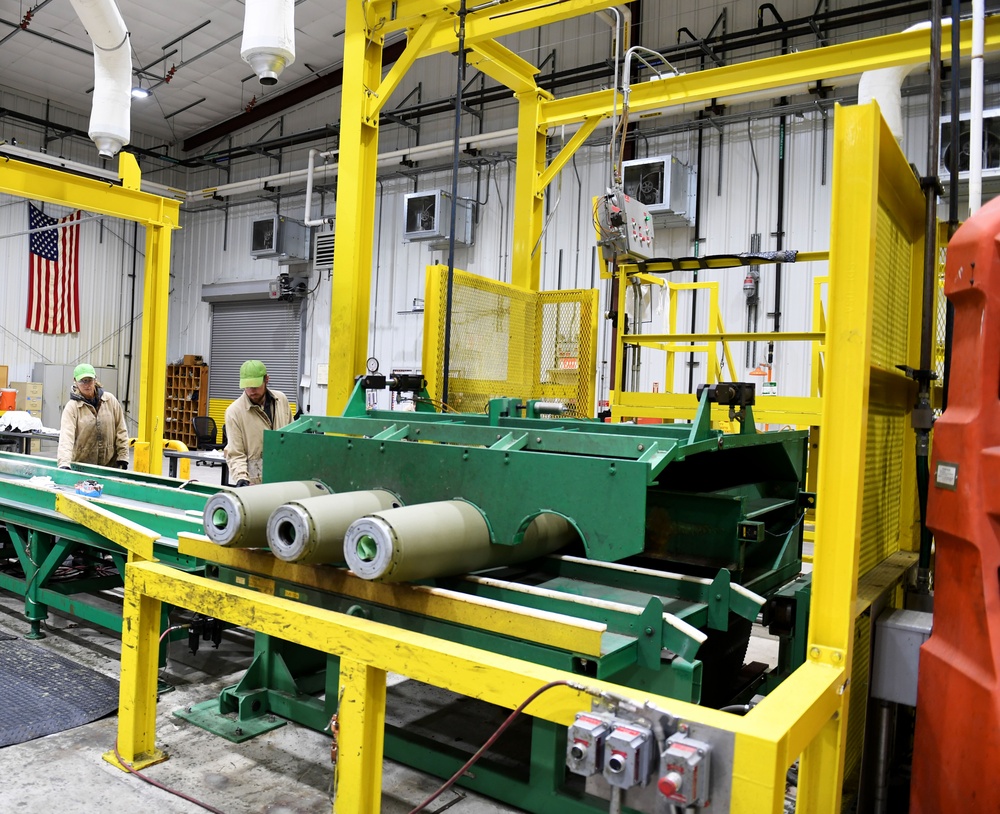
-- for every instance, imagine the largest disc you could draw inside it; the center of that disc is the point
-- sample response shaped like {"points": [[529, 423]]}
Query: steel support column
{"points": [[529, 196], [352, 262]]}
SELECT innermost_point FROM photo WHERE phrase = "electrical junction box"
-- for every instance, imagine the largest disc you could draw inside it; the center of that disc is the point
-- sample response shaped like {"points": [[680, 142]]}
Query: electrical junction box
{"points": [[628, 755], [626, 227], [899, 635], [427, 217], [684, 771], [278, 237], [585, 743], [662, 184]]}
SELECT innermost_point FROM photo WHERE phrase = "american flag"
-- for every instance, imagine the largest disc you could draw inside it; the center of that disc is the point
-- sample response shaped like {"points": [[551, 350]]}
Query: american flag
{"points": [[53, 273]]}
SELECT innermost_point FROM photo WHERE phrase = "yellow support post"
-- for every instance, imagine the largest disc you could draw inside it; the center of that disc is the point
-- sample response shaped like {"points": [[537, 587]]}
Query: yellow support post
{"points": [[361, 723], [526, 261], [136, 742], [352, 262], [153, 354]]}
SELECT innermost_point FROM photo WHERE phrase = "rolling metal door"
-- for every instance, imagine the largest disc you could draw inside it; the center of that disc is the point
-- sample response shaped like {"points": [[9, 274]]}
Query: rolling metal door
{"points": [[266, 330]]}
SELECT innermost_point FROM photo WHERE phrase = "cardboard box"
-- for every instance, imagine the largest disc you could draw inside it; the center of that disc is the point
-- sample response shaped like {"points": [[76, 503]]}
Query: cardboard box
{"points": [[27, 389], [3, 375]]}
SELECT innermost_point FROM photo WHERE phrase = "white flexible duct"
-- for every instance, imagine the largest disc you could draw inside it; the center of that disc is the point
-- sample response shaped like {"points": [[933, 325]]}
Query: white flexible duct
{"points": [[110, 122], [976, 114], [269, 37], [884, 86]]}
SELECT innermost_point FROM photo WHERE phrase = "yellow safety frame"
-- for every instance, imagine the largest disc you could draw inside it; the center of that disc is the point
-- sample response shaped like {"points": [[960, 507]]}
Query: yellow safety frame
{"points": [[160, 216], [431, 29]]}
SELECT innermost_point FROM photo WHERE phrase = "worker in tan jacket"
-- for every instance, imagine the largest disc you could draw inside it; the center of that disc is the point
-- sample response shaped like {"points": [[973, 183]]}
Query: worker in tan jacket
{"points": [[258, 409], [92, 430]]}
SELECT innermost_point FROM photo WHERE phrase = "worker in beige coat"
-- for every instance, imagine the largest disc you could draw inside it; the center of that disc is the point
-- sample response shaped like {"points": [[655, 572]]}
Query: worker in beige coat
{"points": [[258, 409], [92, 430]]}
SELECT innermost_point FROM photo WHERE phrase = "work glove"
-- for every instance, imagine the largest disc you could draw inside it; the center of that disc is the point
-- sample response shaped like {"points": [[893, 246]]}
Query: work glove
{"points": [[242, 482], [64, 467], [123, 464]]}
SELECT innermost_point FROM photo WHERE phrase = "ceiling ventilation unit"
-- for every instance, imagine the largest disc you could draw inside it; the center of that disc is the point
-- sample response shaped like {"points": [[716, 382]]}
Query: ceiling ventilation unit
{"points": [[663, 185], [991, 145], [427, 217], [279, 238]]}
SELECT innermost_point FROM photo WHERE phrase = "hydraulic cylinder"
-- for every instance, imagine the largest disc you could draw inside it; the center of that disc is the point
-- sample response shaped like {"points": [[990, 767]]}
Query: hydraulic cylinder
{"points": [[312, 530], [238, 517], [441, 539]]}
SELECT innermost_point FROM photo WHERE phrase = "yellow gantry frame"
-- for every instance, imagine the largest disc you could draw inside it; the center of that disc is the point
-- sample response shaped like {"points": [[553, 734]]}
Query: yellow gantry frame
{"points": [[431, 29], [160, 216]]}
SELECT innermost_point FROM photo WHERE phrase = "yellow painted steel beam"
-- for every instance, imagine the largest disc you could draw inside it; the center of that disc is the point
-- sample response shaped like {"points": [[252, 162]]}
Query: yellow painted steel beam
{"points": [[794, 410], [489, 23], [153, 351], [136, 741], [549, 629], [352, 261], [723, 336], [415, 44], [58, 187], [526, 261], [500, 63], [136, 539], [809, 698], [773, 73], [859, 150], [566, 153]]}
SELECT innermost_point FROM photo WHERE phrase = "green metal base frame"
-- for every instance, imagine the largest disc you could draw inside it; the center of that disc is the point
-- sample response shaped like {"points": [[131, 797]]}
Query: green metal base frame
{"points": [[208, 716]]}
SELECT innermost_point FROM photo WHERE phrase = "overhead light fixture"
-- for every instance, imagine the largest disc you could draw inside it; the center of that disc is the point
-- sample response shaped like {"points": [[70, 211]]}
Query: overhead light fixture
{"points": [[139, 92]]}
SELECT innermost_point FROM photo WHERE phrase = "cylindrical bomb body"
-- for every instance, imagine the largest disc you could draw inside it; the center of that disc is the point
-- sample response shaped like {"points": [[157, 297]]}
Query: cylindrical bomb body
{"points": [[312, 530], [440, 539], [238, 517]]}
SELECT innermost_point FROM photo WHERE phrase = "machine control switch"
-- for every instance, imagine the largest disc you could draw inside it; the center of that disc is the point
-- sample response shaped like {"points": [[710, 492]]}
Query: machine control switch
{"points": [[629, 754], [684, 771], [585, 743]]}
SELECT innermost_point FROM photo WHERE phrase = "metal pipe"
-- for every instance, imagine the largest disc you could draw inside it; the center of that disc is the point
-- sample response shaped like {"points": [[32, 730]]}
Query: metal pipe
{"points": [[441, 539], [312, 530], [976, 107], [238, 517], [883, 738], [954, 166]]}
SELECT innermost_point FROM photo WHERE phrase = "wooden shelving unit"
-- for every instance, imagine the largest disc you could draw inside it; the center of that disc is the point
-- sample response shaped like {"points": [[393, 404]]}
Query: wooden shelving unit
{"points": [[186, 397]]}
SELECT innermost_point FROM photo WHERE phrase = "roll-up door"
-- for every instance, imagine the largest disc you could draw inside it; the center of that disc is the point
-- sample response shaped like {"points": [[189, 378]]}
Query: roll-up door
{"points": [[253, 329]]}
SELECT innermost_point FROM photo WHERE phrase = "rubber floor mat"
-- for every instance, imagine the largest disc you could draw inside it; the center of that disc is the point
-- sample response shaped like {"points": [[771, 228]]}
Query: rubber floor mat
{"points": [[42, 693]]}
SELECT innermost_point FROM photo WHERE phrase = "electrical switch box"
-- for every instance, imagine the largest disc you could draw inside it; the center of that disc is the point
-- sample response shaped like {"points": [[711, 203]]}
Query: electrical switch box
{"points": [[628, 755], [585, 744], [626, 227], [684, 771]]}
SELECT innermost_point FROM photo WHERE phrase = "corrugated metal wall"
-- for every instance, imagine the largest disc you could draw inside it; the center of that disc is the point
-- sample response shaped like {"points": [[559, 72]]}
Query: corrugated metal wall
{"points": [[738, 198]]}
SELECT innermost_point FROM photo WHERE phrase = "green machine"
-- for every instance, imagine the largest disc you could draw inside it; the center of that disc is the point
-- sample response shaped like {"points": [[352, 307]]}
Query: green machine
{"points": [[56, 562], [672, 536]]}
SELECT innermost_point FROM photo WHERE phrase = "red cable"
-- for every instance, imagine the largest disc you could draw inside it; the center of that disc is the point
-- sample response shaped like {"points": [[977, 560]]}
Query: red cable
{"points": [[492, 739], [182, 795]]}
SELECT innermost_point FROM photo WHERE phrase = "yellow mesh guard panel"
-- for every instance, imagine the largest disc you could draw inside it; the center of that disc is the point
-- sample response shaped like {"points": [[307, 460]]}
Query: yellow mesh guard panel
{"points": [[859, 695], [508, 341]]}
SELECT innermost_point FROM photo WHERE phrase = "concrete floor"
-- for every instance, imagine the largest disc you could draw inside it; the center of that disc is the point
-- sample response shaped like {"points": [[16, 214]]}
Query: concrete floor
{"points": [[285, 771]]}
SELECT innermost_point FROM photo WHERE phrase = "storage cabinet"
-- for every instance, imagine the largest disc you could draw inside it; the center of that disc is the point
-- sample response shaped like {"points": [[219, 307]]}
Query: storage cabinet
{"points": [[186, 397]]}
